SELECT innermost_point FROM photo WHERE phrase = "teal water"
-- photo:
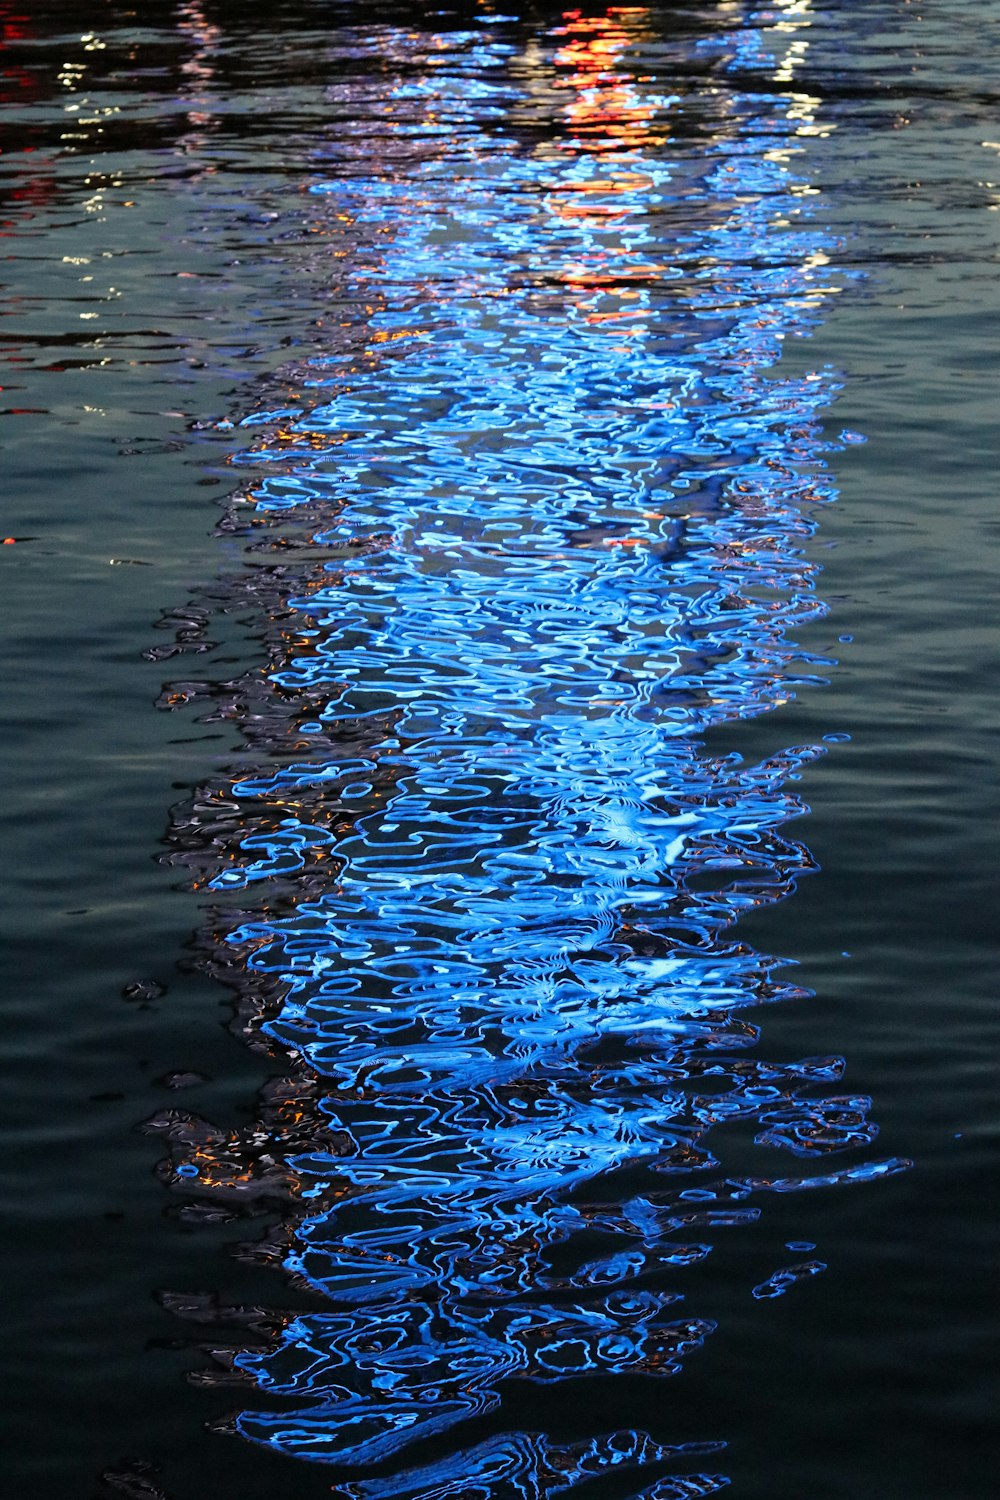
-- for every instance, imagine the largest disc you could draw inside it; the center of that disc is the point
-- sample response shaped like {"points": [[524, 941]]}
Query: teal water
{"points": [[317, 223]]}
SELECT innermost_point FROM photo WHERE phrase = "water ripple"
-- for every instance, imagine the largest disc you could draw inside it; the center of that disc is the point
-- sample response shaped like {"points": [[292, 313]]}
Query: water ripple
{"points": [[527, 533]]}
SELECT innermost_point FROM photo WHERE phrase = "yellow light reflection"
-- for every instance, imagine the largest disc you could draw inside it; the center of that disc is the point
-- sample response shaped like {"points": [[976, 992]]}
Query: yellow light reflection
{"points": [[607, 112]]}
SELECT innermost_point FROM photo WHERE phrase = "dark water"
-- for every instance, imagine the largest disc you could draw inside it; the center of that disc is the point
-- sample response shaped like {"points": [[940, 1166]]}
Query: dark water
{"points": [[531, 460]]}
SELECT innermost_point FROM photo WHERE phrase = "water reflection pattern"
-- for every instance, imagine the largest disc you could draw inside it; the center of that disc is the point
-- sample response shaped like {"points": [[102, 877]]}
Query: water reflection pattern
{"points": [[551, 526]]}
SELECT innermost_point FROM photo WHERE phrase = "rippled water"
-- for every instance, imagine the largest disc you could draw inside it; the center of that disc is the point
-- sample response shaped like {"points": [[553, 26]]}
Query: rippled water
{"points": [[564, 499], [519, 401]]}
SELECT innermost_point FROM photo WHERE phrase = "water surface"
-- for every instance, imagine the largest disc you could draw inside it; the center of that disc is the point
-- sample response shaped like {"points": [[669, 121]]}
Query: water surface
{"points": [[529, 359]]}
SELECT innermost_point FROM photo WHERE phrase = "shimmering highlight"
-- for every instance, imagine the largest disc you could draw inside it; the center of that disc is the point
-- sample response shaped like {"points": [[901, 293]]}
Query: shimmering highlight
{"points": [[551, 526]]}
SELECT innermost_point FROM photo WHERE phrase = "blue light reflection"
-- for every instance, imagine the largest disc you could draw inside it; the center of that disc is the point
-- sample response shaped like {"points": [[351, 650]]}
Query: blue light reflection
{"points": [[558, 507]]}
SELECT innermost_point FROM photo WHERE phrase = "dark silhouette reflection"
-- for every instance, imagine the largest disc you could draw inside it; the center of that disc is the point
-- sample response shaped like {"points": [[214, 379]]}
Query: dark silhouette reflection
{"points": [[532, 523]]}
